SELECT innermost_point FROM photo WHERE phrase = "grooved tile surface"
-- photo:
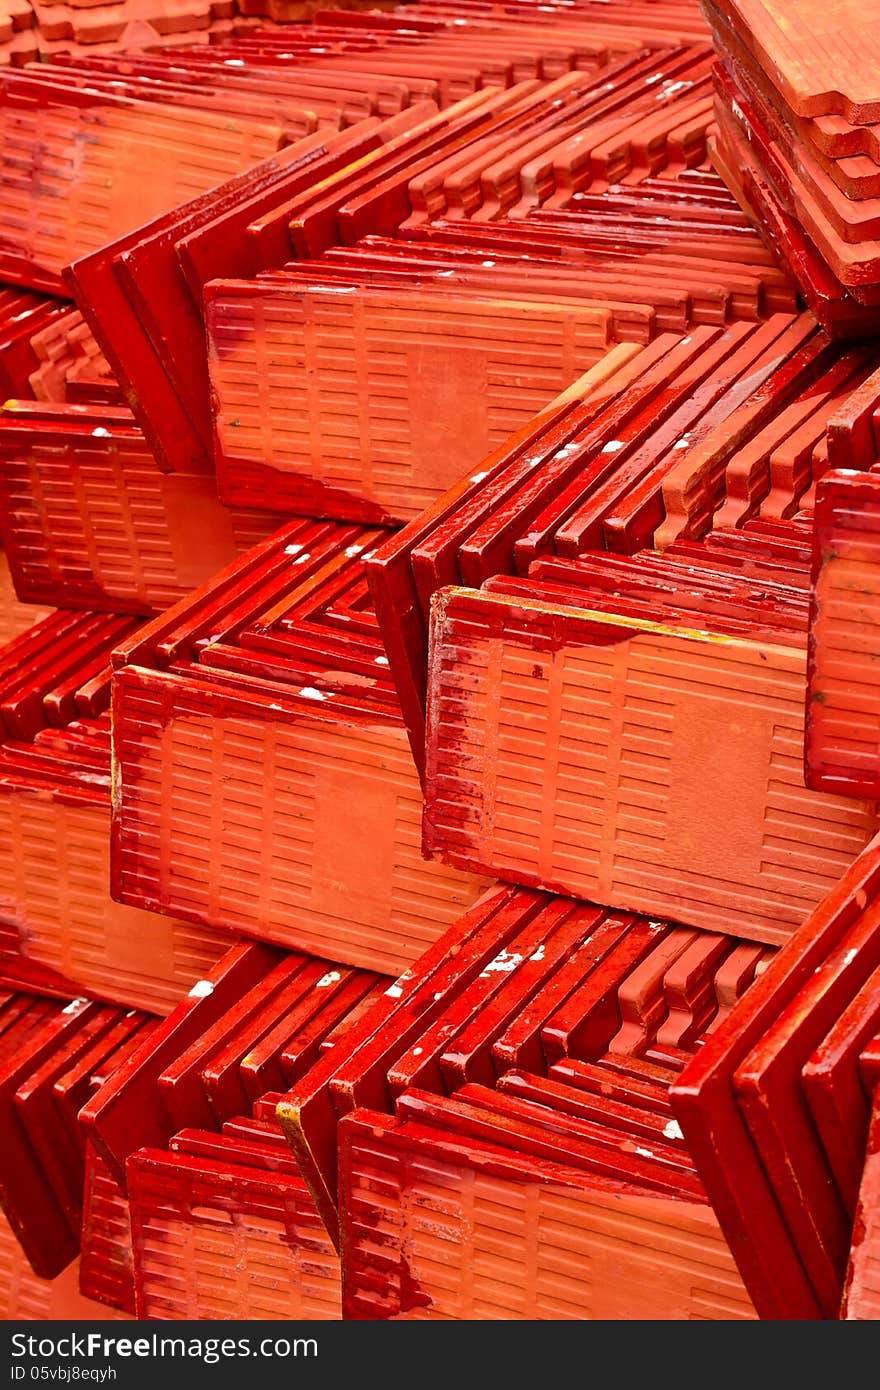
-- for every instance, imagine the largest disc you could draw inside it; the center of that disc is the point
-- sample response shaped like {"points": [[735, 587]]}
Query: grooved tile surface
{"points": [[98, 525], [298, 830], [632, 766], [458, 1241], [382, 399], [843, 696], [26, 1298], [77, 177], [106, 1271], [55, 893], [213, 1247]]}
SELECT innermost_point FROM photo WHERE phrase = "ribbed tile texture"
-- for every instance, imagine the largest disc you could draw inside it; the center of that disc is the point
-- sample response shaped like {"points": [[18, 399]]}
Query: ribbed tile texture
{"points": [[206, 1249], [25, 1297], [403, 392], [130, 166], [457, 1242], [106, 1271], [101, 527], [843, 697], [55, 890], [637, 768], [862, 1293], [302, 831]]}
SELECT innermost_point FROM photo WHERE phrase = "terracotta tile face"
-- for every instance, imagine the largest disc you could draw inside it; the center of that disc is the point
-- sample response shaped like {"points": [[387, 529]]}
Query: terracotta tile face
{"points": [[843, 727], [526, 282], [337, 869], [526, 697], [55, 813], [91, 522], [47, 231], [24, 1295], [817, 65], [465, 367], [499, 1215], [186, 1239]]}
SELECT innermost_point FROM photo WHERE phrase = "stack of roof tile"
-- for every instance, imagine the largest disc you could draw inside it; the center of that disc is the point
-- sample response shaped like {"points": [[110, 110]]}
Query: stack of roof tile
{"points": [[184, 1141], [467, 270], [44, 29], [797, 108], [59, 922], [52, 1052], [497, 1140], [264, 783]]}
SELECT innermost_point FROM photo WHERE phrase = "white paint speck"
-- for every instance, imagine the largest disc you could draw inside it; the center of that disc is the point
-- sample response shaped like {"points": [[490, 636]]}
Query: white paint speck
{"points": [[672, 1130], [612, 446], [417, 1051], [381, 661], [393, 992], [539, 954], [645, 1153], [74, 1006], [292, 549], [100, 433], [503, 963], [329, 979], [201, 989], [309, 692], [353, 550]]}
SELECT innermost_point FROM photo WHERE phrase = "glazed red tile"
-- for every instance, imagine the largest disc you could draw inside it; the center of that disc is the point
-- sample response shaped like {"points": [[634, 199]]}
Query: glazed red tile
{"points": [[707, 1109], [126, 1113], [490, 1275], [842, 741], [515, 651], [263, 1225], [89, 521]]}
